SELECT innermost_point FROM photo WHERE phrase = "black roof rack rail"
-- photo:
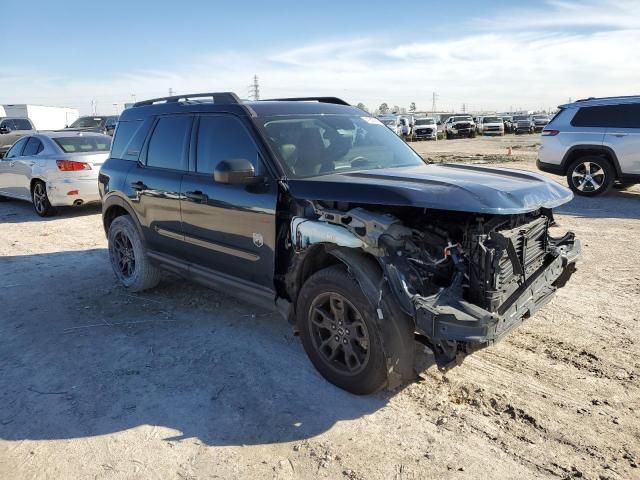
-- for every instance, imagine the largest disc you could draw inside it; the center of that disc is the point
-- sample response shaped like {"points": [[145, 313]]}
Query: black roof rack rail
{"points": [[336, 100], [221, 98]]}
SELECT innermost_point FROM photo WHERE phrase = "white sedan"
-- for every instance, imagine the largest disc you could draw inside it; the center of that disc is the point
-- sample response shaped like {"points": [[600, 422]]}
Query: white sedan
{"points": [[54, 169]]}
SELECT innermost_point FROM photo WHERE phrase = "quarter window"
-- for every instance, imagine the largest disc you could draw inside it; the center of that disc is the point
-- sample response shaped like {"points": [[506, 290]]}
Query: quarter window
{"points": [[33, 147], [223, 138], [169, 142]]}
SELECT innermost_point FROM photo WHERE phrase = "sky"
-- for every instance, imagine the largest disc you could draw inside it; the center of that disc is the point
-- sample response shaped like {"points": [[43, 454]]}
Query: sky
{"points": [[497, 55]]}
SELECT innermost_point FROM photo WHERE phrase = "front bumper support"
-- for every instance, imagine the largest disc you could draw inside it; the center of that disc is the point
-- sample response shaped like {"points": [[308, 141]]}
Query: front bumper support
{"points": [[453, 326]]}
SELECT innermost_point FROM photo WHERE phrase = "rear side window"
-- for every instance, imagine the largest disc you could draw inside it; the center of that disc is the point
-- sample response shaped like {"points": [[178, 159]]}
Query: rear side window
{"points": [[128, 140], [608, 116], [168, 142], [84, 144], [34, 147], [223, 138]]}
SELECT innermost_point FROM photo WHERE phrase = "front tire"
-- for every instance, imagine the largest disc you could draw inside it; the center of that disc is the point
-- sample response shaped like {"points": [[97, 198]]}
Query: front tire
{"points": [[40, 199], [128, 256], [341, 333], [590, 176]]}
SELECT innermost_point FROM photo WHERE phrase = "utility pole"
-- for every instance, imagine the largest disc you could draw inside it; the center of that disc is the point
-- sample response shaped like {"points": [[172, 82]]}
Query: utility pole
{"points": [[94, 107], [254, 89], [170, 92], [434, 97], [464, 108], [133, 96]]}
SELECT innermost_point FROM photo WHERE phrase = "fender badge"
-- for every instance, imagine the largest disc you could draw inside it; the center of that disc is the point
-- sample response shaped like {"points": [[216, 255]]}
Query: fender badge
{"points": [[257, 240]]}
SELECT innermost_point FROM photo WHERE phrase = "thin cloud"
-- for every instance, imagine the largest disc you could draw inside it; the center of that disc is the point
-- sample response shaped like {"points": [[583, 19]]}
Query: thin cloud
{"points": [[496, 69]]}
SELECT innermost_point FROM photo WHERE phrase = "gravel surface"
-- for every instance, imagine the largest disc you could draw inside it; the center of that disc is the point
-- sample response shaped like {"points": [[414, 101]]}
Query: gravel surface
{"points": [[184, 382]]}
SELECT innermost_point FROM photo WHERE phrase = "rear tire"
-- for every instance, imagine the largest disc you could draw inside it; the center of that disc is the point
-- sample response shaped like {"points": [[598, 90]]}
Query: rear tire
{"points": [[40, 199], [343, 337], [590, 176], [128, 255]]}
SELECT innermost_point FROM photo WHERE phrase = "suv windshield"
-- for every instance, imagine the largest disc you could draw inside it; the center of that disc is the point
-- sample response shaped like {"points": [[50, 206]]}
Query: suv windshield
{"points": [[425, 121], [311, 145], [462, 119], [491, 120], [84, 144], [521, 117], [88, 122]]}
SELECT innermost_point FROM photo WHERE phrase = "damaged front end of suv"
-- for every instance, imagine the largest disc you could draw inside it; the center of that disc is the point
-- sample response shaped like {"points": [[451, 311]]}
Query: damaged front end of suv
{"points": [[383, 257], [463, 279]]}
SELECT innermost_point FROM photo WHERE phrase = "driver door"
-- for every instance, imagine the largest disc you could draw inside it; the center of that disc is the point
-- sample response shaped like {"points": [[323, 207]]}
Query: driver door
{"points": [[228, 228]]}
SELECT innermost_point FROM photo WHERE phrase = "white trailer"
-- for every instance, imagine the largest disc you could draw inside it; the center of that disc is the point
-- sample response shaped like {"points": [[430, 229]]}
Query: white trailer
{"points": [[42, 117]]}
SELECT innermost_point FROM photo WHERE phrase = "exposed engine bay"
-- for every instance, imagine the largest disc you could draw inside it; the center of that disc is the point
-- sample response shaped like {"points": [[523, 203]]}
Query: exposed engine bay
{"points": [[465, 278]]}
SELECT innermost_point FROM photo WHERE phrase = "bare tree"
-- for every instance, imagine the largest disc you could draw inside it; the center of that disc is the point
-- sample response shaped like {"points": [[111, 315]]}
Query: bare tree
{"points": [[412, 107], [383, 108], [363, 107]]}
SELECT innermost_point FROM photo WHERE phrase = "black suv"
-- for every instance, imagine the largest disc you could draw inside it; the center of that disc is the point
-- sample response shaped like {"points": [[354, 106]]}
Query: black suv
{"points": [[98, 124], [319, 210]]}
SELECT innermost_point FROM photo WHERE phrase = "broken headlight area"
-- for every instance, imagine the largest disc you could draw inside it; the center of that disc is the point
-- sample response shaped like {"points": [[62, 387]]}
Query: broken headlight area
{"points": [[465, 279]]}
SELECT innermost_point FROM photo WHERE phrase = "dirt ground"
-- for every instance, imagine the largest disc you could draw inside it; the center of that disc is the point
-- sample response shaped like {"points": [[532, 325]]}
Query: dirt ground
{"points": [[187, 383]]}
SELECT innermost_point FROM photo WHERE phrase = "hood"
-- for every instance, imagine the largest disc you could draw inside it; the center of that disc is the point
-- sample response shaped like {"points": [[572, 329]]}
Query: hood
{"points": [[465, 188]]}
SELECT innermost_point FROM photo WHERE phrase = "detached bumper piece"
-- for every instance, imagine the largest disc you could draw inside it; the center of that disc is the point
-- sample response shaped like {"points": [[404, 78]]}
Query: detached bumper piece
{"points": [[455, 327]]}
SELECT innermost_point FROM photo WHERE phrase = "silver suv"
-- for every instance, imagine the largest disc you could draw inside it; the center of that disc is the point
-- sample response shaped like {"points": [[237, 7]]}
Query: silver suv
{"points": [[594, 142]]}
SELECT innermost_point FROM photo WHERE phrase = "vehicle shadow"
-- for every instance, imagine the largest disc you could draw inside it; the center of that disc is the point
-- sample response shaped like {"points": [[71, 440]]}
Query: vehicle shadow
{"points": [[614, 204], [17, 211], [82, 357]]}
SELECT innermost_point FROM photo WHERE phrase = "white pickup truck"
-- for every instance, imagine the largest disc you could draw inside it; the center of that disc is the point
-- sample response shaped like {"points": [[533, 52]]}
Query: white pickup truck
{"points": [[460, 126]]}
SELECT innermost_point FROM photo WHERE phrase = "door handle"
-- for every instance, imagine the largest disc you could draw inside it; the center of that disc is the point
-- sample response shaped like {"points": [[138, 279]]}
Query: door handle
{"points": [[139, 185], [197, 196]]}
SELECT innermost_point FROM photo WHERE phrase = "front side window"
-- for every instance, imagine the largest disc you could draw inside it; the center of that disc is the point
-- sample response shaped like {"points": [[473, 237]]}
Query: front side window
{"points": [[33, 147], [169, 141], [222, 137], [91, 144], [310, 145], [16, 150]]}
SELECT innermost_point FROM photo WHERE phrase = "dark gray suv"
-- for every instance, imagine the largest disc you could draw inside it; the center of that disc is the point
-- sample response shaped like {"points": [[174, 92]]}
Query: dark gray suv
{"points": [[317, 209]]}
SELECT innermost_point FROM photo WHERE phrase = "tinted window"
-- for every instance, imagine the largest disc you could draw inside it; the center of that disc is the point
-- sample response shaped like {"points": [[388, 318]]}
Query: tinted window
{"points": [[168, 142], [16, 149], [88, 122], [100, 143], [34, 146], [222, 138], [608, 116], [124, 144], [17, 124]]}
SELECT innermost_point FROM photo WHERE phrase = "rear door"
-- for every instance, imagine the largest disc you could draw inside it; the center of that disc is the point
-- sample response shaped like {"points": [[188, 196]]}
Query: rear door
{"points": [[23, 166], [623, 136], [153, 184], [228, 228]]}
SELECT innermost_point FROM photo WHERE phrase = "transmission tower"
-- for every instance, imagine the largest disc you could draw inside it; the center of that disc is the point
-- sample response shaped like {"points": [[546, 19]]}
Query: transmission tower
{"points": [[434, 97], [254, 89]]}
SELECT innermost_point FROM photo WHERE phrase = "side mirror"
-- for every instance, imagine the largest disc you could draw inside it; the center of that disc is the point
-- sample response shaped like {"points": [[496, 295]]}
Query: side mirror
{"points": [[5, 130], [237, 171]]}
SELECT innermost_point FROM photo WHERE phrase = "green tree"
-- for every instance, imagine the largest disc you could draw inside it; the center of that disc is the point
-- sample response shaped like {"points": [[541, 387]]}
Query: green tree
{"points": [[412, 107], [363, 107], [383, 108]]}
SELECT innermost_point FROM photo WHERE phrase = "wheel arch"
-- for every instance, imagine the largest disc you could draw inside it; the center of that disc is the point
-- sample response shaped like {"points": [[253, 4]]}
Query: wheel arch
{"points": [[113, 207], [578, 151]]}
